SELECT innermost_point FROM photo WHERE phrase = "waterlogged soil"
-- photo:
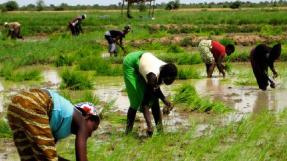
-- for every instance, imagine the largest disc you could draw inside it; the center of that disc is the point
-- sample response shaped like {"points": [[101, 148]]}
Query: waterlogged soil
{"points": [[243, 99], [8, 151]]}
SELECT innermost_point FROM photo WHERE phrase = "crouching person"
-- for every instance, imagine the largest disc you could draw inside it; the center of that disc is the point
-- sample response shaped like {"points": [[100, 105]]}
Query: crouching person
{"points": [[39, 118], [261, 58], [143, 75], [14, 30]]}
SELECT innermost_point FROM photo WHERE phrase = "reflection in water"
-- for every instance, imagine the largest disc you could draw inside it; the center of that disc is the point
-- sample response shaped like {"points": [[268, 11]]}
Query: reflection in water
{"points": [[113, 93], [243, 99], [171, 122], [52, 77]]}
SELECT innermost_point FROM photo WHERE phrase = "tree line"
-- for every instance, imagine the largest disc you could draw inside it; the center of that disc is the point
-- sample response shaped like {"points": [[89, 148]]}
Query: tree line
{"points": [[171, 5]]}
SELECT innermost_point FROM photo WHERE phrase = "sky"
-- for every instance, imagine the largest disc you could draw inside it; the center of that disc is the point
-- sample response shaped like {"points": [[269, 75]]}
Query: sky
{"points": [[106, 2]]}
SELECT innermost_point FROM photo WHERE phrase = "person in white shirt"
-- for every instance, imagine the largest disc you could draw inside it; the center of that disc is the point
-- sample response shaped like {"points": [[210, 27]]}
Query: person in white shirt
{"points": [[143, 75]]}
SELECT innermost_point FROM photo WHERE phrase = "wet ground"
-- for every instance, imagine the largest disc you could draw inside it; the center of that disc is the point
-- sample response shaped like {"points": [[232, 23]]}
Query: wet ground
{"points": [[244, 99]]}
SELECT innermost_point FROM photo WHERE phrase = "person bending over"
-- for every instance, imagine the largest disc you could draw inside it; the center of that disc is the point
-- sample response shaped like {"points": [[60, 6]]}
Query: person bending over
{"points": [[143, 75], [212, 54], [261, 58], [39, 118]]}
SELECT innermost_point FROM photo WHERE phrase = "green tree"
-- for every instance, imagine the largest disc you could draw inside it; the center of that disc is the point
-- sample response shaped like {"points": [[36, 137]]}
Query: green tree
{"points": [[172, 5], [142, 7], [235, 5], [11, 6], [40, 5]]}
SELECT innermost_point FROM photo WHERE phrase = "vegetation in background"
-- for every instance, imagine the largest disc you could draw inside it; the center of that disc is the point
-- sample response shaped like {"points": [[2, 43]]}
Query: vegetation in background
{"points": [[10, 6], [172, 5]]}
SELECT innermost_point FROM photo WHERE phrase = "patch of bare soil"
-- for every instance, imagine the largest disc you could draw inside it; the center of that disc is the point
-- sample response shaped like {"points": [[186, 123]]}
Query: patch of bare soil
{"points": [[192, 40]]}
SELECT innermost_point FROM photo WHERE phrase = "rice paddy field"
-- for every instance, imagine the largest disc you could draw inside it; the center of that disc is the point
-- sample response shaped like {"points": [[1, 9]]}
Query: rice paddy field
{"points": [[213, 119]]}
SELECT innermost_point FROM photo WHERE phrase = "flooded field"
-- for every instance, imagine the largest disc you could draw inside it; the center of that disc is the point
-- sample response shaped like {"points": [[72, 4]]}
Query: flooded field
{"points": [[242, 99]]}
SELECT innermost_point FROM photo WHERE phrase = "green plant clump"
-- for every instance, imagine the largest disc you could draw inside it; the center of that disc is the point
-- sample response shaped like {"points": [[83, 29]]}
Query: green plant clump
{"points": [[187, 95], [75, 80]]}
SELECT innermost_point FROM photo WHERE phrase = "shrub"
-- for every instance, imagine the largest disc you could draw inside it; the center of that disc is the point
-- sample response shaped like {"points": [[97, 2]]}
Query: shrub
{"points": [[11, 6], [142, 7], [172, 5], [235, 5], [75, 80]]}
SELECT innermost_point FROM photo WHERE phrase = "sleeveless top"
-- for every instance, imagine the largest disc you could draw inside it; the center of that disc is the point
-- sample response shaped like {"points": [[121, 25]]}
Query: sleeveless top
{"points": [[61, 116], [149, 63]]}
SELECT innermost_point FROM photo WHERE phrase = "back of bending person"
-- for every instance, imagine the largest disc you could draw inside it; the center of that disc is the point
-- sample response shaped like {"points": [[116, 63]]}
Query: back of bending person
{"points": [[212, 54], [115, 37], [14, 30], [39, 118], [261, 58], [143, 75], [76, 25]]}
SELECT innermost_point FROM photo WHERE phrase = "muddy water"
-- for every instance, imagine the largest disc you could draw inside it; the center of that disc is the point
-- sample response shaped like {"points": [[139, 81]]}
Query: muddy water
{"points": [[171, 122], [243, 99], [114, 94], [8, 150], [51, 77]]}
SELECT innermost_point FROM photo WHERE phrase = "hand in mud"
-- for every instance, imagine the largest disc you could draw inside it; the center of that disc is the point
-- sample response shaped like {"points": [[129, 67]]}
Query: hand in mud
{"points": [[167, 103], [149, 132], [272, 85], [167, 108], [275, 75]]}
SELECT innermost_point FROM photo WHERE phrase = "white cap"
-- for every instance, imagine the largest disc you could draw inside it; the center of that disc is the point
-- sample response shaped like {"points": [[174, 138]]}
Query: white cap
{"points": [[5, 23]]}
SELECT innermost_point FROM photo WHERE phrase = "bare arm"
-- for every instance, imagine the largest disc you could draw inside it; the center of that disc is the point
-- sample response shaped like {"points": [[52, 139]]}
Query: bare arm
{"points": [[152, 84], [219, 65], [275, 74], [81, 137]]}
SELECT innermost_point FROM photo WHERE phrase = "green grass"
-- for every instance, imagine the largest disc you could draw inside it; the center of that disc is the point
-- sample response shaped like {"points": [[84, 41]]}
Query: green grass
{"points": [[5, 131], [246, 78], [186, 95], [9, 72], [75, 80], [181, 58], [36, 22], [257, 137], [188, 72]]}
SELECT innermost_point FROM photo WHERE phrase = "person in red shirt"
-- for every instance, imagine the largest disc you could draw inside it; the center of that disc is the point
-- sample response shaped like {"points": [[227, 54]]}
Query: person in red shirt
{"points": [[213, 53]]}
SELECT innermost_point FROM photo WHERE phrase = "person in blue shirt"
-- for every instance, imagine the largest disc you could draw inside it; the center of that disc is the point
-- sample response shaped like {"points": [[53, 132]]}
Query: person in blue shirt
{"points": [[39, 118]]}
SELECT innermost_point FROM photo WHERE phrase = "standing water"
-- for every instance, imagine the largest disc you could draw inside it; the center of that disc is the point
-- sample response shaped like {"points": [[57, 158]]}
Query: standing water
{"points": [[52, 77], [243, 99]]}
